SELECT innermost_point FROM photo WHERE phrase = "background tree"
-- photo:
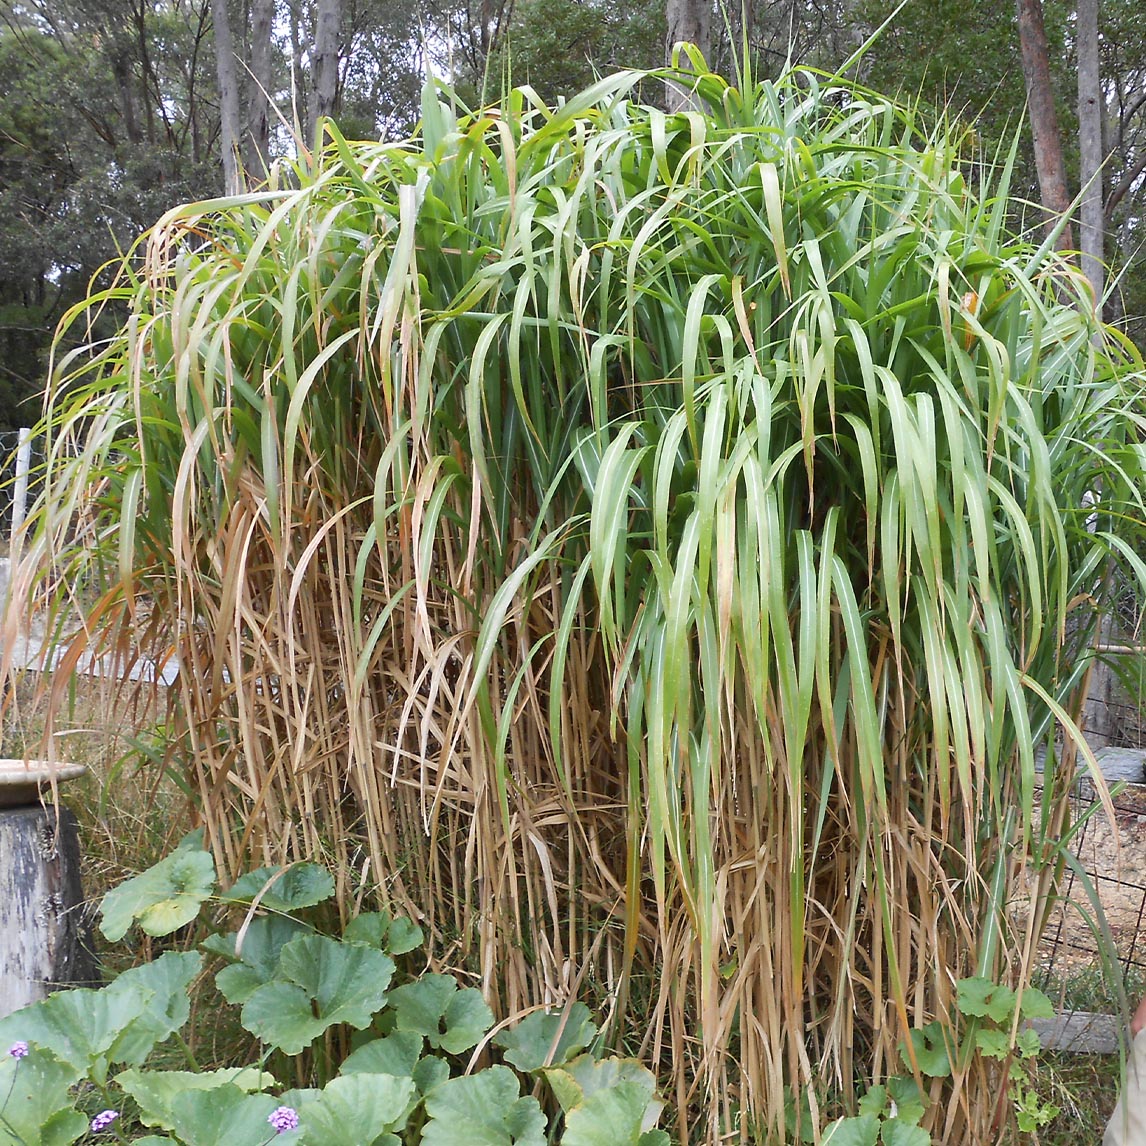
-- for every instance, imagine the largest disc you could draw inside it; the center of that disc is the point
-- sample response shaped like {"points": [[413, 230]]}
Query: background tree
{"points": [[1092, 220], [1049, 161], [108, 116]]}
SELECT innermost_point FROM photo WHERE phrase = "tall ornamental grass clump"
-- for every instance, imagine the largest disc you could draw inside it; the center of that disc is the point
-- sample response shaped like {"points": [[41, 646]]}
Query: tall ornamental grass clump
{"points": [[647, 547]]}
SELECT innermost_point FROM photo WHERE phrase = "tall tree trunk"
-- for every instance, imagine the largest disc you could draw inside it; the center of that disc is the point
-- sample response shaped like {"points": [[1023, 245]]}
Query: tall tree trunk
{"points": [[327, 26], [1098, 712], [228, 72], [121, 69], [688, 21], [1092, 226], [1044, 119], [259, 105]]}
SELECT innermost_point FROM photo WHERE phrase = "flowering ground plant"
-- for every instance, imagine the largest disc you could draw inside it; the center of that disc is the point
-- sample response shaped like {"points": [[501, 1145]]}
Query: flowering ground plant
{"points": [[412, 1039]]}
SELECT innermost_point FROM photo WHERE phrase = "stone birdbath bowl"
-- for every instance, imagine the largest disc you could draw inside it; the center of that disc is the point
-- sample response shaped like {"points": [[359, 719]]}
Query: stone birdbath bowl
{"points": [[22, 781]]}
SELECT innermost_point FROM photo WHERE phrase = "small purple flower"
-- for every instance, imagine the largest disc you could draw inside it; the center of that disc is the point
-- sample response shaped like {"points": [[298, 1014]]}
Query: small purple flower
{"points": [[103, 1120], [19, 1049], [283, 1119]]}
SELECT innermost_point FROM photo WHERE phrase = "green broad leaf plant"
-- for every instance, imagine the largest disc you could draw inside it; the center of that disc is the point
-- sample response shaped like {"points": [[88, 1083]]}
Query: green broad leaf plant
{"points": [[995, 1028], [84, 1064]]}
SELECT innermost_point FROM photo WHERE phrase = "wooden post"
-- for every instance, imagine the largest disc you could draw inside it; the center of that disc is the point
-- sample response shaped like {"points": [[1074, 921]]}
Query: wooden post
{"points": [[20, 492], [44, 937]]}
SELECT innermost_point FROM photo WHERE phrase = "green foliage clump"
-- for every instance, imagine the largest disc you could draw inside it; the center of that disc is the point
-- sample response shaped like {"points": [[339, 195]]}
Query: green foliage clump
{"points": [[303, 993], [661, 542]]}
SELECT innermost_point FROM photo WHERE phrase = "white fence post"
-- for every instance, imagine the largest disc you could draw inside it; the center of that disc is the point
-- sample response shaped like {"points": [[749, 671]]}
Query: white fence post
{"points": [[20, 494]]}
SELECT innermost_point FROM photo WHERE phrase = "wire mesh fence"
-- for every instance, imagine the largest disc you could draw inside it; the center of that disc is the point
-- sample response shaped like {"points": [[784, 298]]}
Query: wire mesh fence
{"points": [[1112, 874]]}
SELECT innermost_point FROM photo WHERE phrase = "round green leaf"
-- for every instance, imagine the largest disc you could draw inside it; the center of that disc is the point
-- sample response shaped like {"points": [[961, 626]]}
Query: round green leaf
{"points": [[396, 1054], [299, 885], [163, 898], [930, 1051], [451, 1019], [483, 1109], [983, 999], [227, 1116], [616, 1116], [38, 1110], [861, 1131], [896, 1132], [155, 1090], [548, 1038], [357, 1109], [377, 929], [320, 982]]}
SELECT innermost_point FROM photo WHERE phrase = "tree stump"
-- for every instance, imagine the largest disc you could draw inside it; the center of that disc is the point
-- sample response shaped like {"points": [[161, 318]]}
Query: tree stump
{"points": [[44, 936]]}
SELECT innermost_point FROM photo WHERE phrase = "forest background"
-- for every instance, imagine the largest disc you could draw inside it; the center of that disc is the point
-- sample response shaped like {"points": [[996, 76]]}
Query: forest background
{"points": [[112, 111]]}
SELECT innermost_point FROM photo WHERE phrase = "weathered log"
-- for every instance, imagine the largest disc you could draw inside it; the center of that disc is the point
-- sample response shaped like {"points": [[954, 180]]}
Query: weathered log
{"points": [[45, 940]]}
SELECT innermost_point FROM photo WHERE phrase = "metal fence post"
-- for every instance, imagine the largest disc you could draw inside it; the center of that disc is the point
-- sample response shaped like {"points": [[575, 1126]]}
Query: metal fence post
{"points": [[20, 494]]}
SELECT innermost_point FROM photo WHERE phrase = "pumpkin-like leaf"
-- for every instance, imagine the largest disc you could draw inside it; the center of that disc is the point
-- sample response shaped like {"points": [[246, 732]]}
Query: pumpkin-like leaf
{"points": [[320, 982], [583, 1077], [430, 1073], [897, 1132], [168, 980], [227, 1116], [377, 929], [38, 1110], [1035, 1005], [452, 1020], [861, 1131], [619, 1115], [91, 1029], [930, 1051], [163, 898], [396, 1054], [285, 889], [981, 998], [257, 958], [483, 1109], [357, 1109], [548, 1038], [155, 1090]]}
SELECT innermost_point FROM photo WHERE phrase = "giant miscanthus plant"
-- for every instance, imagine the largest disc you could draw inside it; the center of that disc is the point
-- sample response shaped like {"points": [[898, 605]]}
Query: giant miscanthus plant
{"points": [[650, 548]]}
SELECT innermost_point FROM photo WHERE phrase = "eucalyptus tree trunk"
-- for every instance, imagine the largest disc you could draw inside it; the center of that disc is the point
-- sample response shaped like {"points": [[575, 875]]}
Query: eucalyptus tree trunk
{"points": [[1092, 226], [259, 104], [1098, 714], [327, 25], [688, 21], [1044, 119], [227, 70]]}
